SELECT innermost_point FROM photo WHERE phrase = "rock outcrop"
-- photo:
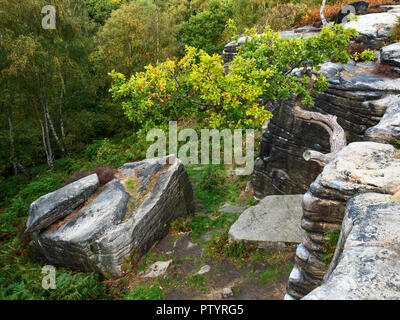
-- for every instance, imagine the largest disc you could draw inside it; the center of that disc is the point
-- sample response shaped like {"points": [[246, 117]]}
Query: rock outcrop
{"points": [[273, 224], [121, 221], [361, 167], [366, 265], [357, 96]]}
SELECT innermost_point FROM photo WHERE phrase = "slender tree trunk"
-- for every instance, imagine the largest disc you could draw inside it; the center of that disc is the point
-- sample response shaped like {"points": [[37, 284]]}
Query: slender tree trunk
{"points": [[61, 115], [321, 13], [62, 126], [45, 131], [53, 130]]}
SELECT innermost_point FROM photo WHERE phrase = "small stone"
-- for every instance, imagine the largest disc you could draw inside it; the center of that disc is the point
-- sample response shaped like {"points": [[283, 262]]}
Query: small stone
{"points": [[204, 269], [156, 269], [227, 293]]}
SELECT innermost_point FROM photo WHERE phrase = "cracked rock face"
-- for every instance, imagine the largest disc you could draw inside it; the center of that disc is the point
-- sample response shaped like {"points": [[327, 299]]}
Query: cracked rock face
{"points": [[121, 221], [366, 264], [359, 168]]}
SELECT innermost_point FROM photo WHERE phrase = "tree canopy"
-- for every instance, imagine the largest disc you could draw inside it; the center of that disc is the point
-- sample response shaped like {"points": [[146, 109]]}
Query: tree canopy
{"points": [[264, 69]]}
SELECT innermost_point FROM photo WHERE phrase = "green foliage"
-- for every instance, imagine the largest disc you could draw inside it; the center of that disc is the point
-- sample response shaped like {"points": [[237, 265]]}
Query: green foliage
{"points": [[395, 142], [285, 16], [153, 292], [238, 250], [100, 10], [261, 69], [21, 278], [116, 152], [269, 276], [212, 187], [330, 246], [195, 281], [211, 178], [205, 30]]}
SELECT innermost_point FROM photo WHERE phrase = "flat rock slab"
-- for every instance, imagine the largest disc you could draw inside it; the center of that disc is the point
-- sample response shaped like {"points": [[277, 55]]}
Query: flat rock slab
{"points": [[58, 204], [366, 265], [112, 231], [272, 224]]}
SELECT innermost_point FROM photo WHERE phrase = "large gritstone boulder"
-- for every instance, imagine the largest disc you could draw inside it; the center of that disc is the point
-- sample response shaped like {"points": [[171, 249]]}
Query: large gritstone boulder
{"points": [[121, 221], [366, 265]]}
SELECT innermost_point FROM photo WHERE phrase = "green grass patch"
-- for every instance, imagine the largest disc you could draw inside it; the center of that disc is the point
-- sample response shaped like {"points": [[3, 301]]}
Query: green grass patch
{"points": [[330, 246], [152, 292]]}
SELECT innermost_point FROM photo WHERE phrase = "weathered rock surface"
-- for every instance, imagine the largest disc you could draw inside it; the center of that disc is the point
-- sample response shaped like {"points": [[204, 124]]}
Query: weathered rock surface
{"points": [[391, 54], [274, 223], [58, 204], [366, 265], [375, 27], [361, 167], [132, 212], [389, 126], [355, 96]]}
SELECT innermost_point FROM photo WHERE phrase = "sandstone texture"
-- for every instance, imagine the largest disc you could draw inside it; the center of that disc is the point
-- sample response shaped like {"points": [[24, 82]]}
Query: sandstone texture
{"points": [[366, 265], [123, 220], [391, 54], [389, 127], [361, 167], [274, 223]]}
